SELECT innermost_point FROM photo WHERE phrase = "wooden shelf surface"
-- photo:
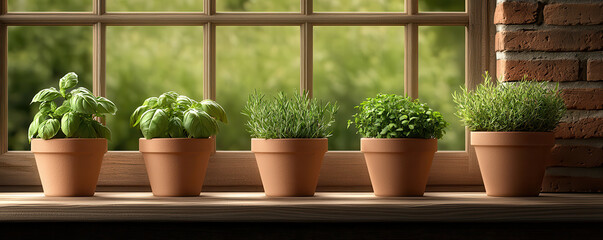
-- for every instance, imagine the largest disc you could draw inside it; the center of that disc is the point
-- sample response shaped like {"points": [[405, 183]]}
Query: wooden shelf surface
{"points": [[324, 207]]}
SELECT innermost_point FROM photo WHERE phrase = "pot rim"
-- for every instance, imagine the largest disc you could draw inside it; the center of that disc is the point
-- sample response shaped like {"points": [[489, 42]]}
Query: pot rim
{"points": [[175, 145], [398, 145], [518, 132], [175, 139], [69, 145], [398, 139], [289, 139], [284, 145], [68, 139], [485, 138]]}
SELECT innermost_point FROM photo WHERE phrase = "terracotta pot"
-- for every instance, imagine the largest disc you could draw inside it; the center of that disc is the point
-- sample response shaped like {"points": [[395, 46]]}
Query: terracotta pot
{"points": [[69, 167], [398, 167], [512, 163], [176, 166], [289, 167]]}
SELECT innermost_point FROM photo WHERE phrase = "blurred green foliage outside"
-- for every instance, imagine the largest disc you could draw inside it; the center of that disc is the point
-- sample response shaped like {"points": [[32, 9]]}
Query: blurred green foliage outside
{"points": [[350, 63]]}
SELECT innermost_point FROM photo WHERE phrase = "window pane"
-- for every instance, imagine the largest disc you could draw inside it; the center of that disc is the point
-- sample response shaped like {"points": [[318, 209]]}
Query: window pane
{"points": [[266, 59], [258, 5], [442, 5], [154, 5], [358, 5], [442, 72], [37, 58], [49, 5], [351, 64], [146, 61]]}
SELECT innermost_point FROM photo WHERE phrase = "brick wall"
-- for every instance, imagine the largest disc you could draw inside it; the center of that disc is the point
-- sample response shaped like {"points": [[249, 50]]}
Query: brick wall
{"points": [[560, 41]]}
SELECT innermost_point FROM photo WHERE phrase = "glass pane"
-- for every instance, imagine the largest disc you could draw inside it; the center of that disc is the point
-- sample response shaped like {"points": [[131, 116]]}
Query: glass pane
{"points": [[49, 5], [266, 59], [442, 5], [258, 5], [154, 5], [37, 58], [147, 61], [358, 5], [442, 72], [351, 64]]}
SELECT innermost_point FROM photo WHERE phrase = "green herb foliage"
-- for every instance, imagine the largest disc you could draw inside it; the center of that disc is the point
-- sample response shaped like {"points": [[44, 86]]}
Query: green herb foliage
{"points": [[284, 116], [526, 106], [172, 115], [395, 116], [74, 118]]}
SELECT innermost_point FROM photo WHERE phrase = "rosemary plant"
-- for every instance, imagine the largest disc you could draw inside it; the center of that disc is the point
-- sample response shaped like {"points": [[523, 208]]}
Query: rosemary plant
{"points": [[284, 116]]}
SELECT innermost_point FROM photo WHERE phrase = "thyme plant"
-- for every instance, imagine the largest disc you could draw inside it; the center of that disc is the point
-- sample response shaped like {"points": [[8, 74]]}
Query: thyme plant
{"points": [[395, 116], [526, 106], [284, 116]]}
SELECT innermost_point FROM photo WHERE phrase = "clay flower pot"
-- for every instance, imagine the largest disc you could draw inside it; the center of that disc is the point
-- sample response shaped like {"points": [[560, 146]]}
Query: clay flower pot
{"points": [[398, 167], [69, 167], [176, 166], [512, 163], [289, 167]]}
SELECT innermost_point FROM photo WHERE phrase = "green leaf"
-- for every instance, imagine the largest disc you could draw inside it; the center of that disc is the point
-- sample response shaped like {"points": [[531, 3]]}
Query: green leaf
{"points": [[83, 103], [45, 95], [70, 123], [199, 124], [135, 117], [47, 107], [167, 99], [154, 123], [80, 90], [48, 128], [151, 102], [176, 129], [62, 109], [184, 102], [105, 106], [68, 81], [213, 109], [35, 124], [85, 130], [401, 117], [102, 131]]}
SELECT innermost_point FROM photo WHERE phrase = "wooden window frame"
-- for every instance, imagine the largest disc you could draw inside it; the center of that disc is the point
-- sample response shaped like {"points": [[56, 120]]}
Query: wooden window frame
{"points": [[236, 170]]}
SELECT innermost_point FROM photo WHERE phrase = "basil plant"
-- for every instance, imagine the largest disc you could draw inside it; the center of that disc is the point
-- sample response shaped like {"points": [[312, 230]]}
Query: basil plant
{"points": [[172, 115], [75, 117]]}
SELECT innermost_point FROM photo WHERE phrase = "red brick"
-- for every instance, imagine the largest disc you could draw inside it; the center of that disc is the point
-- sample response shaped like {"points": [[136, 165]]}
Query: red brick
{"points": [[540, 70], [515, 13], [576, 156], [584, 128], [550, 40], [572, 184], [594, 70], [583, 98], [573, 14]]}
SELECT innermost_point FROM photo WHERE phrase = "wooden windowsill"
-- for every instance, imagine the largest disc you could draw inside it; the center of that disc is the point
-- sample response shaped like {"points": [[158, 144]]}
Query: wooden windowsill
{"points": [[324, 207]]}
